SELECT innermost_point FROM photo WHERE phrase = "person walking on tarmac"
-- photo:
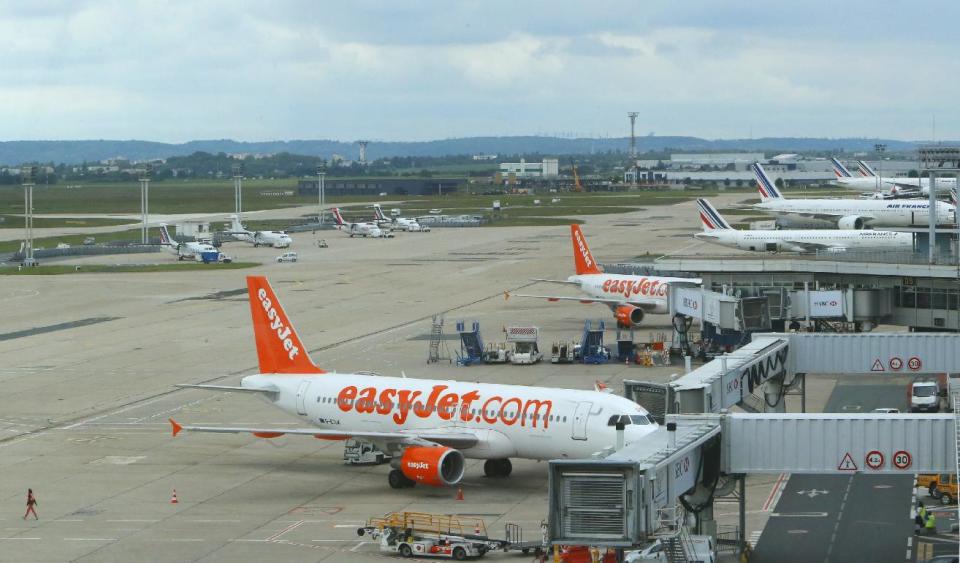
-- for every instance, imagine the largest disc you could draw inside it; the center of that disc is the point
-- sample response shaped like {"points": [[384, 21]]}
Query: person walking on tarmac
{"points": [[31, 505], [930, 527]]}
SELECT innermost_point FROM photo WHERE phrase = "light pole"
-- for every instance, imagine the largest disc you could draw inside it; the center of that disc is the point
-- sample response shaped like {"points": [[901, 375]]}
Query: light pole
{"points": [[28, 175], [238, 189], [145, 201], [321, 172], [881, 148]]}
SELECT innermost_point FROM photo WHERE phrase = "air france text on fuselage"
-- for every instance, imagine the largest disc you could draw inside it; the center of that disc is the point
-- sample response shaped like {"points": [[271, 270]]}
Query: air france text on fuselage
{"points": [[401, 402]]}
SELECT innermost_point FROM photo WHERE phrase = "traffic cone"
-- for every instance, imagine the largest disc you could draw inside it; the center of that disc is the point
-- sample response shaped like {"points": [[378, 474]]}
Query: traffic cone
{"points": [[173, 499], [460, 493]]}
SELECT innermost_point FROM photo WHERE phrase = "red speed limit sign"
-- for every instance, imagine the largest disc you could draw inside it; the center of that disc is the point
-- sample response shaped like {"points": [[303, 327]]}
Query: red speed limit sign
{"points": [[874, 460], [902, 459]]}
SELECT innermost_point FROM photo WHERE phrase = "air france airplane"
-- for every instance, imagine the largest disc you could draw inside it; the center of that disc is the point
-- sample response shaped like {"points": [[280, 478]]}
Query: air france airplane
{"points": [[358, 229], [629, 297], [429, 426], [848, 213], [716, 230], [199, 251], [888, 185], [276, 239], [402, 223]]}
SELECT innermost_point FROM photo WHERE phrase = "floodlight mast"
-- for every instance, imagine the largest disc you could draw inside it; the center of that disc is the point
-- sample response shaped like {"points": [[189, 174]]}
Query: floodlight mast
{"points": [[145, 173], [28, 176], [321, 172]]}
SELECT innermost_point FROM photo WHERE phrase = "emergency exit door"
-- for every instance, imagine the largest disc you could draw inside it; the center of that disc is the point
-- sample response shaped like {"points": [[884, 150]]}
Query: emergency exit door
{"points": [[302, 397]]}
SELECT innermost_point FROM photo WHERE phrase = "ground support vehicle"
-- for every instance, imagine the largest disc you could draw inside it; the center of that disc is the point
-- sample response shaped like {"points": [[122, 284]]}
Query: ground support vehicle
{"points": [[433, 535]]}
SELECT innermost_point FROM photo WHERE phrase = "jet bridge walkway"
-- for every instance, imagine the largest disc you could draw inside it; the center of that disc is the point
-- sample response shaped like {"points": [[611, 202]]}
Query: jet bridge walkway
{"points": [[629, 497]]}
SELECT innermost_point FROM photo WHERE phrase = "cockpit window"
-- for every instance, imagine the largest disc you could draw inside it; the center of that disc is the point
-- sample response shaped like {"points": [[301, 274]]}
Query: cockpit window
{"points": [[630, 419]]}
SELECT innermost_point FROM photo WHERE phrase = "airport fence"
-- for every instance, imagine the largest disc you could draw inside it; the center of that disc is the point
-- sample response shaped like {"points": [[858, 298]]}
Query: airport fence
{"points": [[90, 250]]}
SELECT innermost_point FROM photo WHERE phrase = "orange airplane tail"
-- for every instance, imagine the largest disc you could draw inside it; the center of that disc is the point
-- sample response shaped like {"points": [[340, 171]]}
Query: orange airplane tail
{"points": [[582, 259], [279, 348]]}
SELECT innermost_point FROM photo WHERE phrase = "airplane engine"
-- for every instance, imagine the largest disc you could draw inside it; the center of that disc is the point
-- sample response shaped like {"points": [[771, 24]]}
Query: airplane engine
{"points": [[850, 222], [628, 315], [435, 466]]}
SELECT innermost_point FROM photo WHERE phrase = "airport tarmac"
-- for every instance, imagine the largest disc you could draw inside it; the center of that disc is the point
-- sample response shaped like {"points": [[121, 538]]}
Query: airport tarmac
{"points": [[91, 360]]}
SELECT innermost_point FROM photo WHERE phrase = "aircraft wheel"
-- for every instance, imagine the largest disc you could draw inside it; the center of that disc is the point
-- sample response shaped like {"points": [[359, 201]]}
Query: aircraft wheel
{"points": [[397, 479], [497, 467]]}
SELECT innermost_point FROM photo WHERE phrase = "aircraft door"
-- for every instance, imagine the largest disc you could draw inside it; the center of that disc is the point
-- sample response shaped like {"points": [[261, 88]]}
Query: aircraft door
{"points": [[302, 396], [580, 417]]}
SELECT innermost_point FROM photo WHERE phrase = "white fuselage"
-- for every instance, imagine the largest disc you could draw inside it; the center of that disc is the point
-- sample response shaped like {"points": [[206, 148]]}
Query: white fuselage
{"points": [[869, 184], [364, 230], [199, 251], [875, 213], [648, 290], [785, 240], [276, 239], [508, 420]]}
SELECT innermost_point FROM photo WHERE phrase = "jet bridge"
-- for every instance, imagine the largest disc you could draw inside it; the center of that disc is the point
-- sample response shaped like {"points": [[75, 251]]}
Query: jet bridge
{"points": [[757, 376], [645, 490], [631, 496]]}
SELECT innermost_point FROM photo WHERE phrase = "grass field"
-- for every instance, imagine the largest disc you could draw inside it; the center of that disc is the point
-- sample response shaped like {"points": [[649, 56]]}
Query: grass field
{"points": [[75, 240], [16, 222], [44, 270]]}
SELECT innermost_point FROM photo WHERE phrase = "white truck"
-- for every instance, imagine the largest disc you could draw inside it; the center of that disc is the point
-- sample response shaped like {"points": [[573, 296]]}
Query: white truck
{"points": [[525, 346], [356, 452]]}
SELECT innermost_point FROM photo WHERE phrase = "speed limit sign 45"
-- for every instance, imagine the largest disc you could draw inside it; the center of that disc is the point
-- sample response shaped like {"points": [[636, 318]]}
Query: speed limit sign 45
{"points": [[902, 459]]}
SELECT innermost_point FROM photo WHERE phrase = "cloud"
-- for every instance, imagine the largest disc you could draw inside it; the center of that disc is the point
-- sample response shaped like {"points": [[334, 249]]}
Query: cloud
{"points": [[429, 69]]}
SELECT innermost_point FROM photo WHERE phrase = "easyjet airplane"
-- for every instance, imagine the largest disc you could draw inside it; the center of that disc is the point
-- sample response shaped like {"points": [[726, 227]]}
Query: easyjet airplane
{"points": [[429, 426], [629, 297]]}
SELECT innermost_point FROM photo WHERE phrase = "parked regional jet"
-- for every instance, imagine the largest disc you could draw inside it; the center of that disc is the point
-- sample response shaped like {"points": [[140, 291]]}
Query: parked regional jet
{"points": [[199, 251], [428, 426], [629, 297], [716, 230], [886, 186], [276, 239], [359, 229], [848, 213], [402, 223]]}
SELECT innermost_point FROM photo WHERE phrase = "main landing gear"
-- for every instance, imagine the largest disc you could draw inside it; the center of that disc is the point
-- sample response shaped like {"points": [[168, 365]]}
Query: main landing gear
{"points": [[497, 467], [398, 480]]}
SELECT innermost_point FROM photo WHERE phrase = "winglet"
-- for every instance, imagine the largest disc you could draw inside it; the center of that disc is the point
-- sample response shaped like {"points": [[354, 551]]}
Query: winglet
{"points": [[176, 427], [279, 349], [582, 258]]}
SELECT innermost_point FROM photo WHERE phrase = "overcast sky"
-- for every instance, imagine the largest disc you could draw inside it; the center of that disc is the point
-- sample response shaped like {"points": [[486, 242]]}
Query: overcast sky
{"points": [[418, 70]]}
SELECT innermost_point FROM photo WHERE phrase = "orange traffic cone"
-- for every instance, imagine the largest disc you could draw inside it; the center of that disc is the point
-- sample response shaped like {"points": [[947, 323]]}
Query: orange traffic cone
{"points": [[460, 493], [173, 499]]}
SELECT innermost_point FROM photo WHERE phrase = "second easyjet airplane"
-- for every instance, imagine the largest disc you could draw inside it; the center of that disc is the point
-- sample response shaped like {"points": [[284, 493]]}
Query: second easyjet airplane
{"points": [[429, 426], [629, 297]]}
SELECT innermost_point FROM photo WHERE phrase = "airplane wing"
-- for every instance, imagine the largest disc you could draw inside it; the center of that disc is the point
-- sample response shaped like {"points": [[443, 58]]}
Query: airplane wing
{"points": [[828, 216], [229, 388], [457, 440], [645, 305], [555, 281], [810, 246]]}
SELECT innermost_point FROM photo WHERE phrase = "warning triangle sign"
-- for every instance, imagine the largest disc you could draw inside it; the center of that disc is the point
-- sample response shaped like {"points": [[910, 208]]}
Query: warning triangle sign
{"points": [[847, 463], [877, 366]]}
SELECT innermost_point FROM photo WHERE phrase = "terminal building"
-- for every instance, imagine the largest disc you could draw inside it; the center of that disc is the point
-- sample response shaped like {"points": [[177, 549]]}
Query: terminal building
{"points": [[548, 168]]}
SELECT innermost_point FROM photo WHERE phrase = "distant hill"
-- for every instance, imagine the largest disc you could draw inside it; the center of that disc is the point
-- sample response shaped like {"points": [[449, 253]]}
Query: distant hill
{"points": [[74, 152]]}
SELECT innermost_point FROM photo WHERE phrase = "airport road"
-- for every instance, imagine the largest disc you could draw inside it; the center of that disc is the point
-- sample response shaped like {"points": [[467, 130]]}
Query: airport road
{"points": [[859, 517], [89, 364]]}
